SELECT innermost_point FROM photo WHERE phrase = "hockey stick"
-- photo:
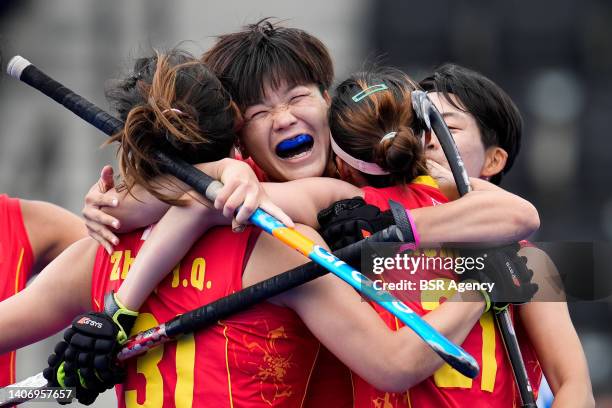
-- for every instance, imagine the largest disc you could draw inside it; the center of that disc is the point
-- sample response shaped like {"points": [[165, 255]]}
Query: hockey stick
{"points": [[22, 69], [206, 315], [427, 112]]}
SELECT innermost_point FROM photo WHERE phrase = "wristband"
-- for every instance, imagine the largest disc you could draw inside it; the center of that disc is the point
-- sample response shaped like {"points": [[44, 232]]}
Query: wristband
{"points": [[405, 223], [485, 295], [412, 246], [122, 316]]}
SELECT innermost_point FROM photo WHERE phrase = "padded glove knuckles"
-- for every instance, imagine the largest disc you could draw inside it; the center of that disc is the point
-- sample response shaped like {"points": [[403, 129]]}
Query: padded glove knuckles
{"points": [[86, 358], [348, 221], [506, 270]]}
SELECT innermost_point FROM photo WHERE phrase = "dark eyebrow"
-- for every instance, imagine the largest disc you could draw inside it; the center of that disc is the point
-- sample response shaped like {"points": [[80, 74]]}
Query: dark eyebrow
{"points": [[447, 115]]}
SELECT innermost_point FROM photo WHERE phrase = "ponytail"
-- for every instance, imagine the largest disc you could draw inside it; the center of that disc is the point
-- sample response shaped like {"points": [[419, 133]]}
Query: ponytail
{"points": [[175, 104], [372, 120]]}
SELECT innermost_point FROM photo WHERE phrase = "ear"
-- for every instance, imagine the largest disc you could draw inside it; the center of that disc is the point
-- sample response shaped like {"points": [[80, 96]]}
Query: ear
{"points": [[495, 161], [327, 98], [349, 174]]}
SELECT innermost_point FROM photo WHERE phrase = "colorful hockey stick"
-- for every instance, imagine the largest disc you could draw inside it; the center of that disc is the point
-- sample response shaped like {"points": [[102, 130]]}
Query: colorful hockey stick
{"points": [[20, 68]]}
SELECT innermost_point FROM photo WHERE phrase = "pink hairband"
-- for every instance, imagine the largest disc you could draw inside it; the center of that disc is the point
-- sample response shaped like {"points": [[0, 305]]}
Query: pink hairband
{"points": [[364, 167]]}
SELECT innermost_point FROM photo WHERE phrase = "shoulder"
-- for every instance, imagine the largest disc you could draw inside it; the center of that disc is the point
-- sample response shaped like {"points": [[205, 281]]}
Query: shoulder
{"points": [[41, 211], [10, 209], [50, 228]]}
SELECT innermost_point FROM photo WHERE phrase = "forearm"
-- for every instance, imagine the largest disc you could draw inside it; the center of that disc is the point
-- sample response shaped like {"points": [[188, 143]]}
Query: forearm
{"points": [[574, 395], [216, 169], [136, 209], [399, 359], [413, 358], [168, 242], [40, 324], [302, 199], [559, 352], [479, 216]]}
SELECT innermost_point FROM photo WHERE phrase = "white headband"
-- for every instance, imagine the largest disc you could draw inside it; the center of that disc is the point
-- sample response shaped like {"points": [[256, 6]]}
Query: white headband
{"points": [[364, 167]]}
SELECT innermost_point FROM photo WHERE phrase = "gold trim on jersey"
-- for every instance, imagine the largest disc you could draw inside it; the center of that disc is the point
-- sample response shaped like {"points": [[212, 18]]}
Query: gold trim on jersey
{"points": [[229, 378], [17, 272], [12, 353], [314, 363], [426, 180]]}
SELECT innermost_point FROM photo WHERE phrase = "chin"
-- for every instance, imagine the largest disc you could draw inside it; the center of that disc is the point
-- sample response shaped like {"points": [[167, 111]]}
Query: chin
{"points": [[310, 170]]}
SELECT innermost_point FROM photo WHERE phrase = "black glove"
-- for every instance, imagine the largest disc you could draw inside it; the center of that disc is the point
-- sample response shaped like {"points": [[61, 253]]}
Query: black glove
{"points": [[506, 269], [351, 220], [86, 359], [62, 371]]}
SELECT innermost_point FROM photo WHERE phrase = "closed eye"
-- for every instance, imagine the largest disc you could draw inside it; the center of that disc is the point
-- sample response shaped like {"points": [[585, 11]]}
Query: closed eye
{"points": [[297, 98], [257, 114]]}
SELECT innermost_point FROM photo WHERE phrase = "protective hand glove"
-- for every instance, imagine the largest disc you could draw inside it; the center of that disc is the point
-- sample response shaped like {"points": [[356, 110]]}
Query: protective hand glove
{"points": [[351, 220], [86, 359], [506, 270]]}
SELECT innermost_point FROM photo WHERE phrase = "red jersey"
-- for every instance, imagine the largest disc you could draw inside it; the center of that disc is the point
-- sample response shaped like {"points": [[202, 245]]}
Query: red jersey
{"points": [[16, 260], [422, 192], [332, 383], [261, 357], [259, 173], [493, 387]]}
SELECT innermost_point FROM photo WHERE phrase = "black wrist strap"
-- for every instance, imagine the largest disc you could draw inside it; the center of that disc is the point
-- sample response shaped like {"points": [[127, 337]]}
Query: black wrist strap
{"points": [[401, 221]]}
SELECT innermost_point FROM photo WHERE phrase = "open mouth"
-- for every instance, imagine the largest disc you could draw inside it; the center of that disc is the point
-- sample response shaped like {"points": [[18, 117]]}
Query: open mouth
{"points": [[295, 147]]}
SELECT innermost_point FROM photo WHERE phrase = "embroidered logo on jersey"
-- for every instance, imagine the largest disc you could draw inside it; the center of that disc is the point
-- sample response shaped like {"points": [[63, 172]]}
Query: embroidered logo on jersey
{"points": [[434, 201]]}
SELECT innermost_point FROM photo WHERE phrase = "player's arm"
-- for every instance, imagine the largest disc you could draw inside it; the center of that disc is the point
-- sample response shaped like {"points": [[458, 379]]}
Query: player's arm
{"points": [[111, 209], [490, 215], [352, 330], [168, 242], [486, 214], [555, 340], [479, 216], [60, 292], [181, 226], [121, 211], [51, 229], [392, 361], [303, 199]]}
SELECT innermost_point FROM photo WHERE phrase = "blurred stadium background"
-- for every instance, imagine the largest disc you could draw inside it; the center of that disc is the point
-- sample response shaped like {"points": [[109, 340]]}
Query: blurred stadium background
{"points": [[553, 57]]}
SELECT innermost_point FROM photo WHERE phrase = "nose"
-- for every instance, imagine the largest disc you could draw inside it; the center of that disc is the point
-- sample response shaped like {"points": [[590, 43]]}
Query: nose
{"points": [[283, 118], [433, 143]]}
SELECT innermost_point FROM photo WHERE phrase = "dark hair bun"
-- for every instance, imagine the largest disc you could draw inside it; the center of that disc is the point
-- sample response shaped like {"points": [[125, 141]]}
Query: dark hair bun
{"points": [[399, 154]]}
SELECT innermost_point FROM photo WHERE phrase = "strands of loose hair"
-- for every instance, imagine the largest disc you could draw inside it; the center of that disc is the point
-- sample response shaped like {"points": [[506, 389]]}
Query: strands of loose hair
{"points": [[358, 127], [174, 103]]}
